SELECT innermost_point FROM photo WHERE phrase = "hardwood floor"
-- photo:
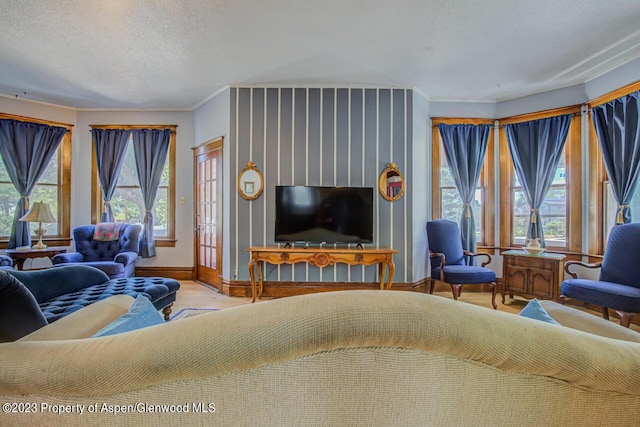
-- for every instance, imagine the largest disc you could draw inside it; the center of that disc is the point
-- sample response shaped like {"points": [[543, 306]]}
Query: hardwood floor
{"points": [[195, 295]]}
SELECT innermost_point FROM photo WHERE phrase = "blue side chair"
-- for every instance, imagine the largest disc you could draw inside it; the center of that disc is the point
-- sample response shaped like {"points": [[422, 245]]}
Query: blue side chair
{"points": [[447, 258], [115, 257], [618, 286]]}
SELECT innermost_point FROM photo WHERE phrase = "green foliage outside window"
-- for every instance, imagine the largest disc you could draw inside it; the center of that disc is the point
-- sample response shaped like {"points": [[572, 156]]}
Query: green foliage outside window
{"points": [[127, 202], [46, 190], [553, 211], [451, 204]]}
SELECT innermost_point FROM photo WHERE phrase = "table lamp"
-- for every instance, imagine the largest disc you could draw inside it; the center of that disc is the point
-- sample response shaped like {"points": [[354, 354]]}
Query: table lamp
{"points": [[39, 212]]}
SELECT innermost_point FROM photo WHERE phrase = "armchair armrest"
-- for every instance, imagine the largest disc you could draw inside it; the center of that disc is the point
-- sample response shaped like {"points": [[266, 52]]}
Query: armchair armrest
{"points": [[67, 257], [442, 261], [126, 258], [6, 261], [475, 254], [580, 263]]}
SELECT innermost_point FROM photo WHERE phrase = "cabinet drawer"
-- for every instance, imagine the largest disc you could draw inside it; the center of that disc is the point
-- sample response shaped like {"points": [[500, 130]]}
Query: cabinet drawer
{"points": [[520, 261]]}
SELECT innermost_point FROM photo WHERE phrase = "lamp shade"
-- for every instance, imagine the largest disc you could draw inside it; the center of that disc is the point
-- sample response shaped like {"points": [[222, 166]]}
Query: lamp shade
{"points": [[39, 212]]}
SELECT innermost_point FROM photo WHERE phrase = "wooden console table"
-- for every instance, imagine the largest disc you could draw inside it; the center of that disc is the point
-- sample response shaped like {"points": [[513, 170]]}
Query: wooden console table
{"points": [[320, 257]]}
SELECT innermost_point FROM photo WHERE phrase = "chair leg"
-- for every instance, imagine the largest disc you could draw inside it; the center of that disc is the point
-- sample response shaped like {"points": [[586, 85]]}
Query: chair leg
{"points": [[605, 313], [432, 285], [494, 290], [562, 299], [455, 289], [625, 318]]}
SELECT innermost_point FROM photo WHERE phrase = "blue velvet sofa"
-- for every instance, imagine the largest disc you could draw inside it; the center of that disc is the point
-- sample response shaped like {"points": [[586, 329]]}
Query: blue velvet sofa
{"points": [[61, 291], [116, 258]]}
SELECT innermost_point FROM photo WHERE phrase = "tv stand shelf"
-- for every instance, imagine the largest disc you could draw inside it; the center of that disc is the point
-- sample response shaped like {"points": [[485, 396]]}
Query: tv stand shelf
{"points": [[320, 257]]}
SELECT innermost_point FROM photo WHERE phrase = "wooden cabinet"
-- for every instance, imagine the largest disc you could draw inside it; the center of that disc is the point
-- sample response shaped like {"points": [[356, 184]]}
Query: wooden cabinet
{"points": [[532, 276]]}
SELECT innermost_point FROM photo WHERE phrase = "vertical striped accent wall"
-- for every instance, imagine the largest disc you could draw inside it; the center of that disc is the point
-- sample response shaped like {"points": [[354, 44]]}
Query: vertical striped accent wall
{"points": [[319, 136]]}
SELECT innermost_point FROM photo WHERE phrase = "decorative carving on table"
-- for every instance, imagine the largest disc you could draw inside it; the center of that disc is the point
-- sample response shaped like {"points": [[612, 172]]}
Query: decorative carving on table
{"points": [[321, 260]]}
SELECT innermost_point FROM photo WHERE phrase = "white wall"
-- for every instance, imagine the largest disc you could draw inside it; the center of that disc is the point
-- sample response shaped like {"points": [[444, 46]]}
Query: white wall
{"points": [[614, 79], [421, 197], [476, 110], [211, 120], [564, 97], [19, 107]]}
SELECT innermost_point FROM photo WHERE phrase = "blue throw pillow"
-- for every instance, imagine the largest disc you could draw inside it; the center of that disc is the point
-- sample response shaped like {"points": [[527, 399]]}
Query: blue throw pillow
{"points": [[141, 314], [534, 310]]}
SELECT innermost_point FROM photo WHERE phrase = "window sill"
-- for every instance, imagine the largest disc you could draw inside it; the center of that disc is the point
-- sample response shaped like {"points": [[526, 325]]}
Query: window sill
{"points": [[165, 243]]}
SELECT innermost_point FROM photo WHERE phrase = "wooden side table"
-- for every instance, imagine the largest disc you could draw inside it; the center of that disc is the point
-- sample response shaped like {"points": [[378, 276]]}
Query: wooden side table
{"points": [[20, 255], [532, 276]]}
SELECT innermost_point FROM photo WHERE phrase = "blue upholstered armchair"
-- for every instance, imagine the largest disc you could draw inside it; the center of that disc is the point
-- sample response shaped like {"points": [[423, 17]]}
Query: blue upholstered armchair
{"points": [[6, 262], [115, 257], [618, 286], [448, 263]]}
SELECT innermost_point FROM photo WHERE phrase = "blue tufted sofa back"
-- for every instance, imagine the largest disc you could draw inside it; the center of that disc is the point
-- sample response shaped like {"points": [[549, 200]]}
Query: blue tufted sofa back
{"points": [[96, 250]]}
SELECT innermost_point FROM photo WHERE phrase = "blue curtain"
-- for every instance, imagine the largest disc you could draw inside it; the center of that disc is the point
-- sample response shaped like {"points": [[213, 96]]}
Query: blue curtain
{"points": [[150, 147], [26, 149], [465, 147], [536, 147], [110, 146], [616, 124]]}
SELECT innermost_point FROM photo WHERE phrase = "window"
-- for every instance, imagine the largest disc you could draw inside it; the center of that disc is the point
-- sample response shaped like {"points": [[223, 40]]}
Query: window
{"points": [[450, 202], [446, 202], [561, 210], [127, 202], [553, 210], [602, 204], [53, 187], [610, 208]]}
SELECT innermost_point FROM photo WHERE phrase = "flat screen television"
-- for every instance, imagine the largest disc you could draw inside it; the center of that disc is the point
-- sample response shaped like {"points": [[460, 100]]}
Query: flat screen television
{"points": [[314, 214]]}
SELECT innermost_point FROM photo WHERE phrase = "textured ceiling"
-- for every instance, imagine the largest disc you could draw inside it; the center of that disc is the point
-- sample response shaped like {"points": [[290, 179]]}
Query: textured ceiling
{"points": [[170, 54]]}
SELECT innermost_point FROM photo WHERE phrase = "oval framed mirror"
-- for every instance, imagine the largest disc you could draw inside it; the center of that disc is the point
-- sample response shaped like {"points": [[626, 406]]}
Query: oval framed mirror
{"points": [[391, 184], [250, 183]]}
